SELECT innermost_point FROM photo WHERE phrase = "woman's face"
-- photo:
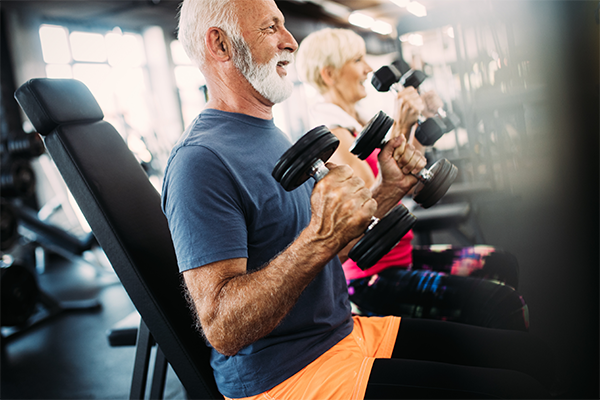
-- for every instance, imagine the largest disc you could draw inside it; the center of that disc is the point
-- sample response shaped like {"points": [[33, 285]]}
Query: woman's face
{"points": [[351, 78]]}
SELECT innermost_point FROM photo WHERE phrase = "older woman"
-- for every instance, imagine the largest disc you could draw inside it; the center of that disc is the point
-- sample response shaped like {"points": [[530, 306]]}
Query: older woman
{"points": [[333, 61]]}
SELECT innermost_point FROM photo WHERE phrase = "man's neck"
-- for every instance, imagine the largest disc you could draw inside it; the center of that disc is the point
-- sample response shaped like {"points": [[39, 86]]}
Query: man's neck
{"points": [[238, 96]]}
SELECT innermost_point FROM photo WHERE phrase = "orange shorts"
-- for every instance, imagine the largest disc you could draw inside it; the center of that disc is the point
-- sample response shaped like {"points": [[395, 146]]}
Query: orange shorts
{"points": [[343, 371]]}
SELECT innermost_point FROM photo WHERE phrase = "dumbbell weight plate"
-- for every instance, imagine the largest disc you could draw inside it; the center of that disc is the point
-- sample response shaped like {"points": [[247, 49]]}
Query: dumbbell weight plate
{"points": [[385, 77], [17, 180], [429, 131], [372, 135], [294, 166], [444, 174], [301, 169], [20, 294], [452, 121], [9, 226], [423, 191], [382, 237], [445, 185], [414, 79]]}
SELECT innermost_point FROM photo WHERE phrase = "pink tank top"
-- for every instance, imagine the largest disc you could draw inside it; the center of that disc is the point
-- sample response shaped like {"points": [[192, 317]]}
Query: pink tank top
{"points": [[399, 256]]}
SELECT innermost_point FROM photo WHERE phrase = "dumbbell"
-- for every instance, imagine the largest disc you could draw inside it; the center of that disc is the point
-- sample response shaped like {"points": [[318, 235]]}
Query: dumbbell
{"points": [[433, 182], [19, 292], [306, 159], [450, 119], [28, 146], [17, 179], [9, 225], [429, 130]]}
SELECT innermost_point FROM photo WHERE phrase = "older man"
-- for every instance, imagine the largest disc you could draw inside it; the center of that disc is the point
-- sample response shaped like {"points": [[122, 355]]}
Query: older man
{"points": [[261, 264]]}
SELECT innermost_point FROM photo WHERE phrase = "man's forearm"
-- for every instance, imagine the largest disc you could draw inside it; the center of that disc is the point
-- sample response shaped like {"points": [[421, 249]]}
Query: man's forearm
{"points": [[243, 308], [387, 197]]}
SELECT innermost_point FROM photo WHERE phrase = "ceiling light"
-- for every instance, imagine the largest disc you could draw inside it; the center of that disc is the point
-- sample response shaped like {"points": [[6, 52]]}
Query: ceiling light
{"points": [[417, 9], [361, 20], [415, 39], [381, 27], [336, 9], [400, 3]]}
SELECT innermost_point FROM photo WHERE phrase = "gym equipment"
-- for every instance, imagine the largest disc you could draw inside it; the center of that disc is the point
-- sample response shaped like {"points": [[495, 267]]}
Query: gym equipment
{"points": [[450, 119], [306, 159], [123, 209], [19, 293], [50, 236], [436, 295], [429, 130], [385, 77], [9, 225], [24, 304], [433, 182], [29, 146], [17, 179]]}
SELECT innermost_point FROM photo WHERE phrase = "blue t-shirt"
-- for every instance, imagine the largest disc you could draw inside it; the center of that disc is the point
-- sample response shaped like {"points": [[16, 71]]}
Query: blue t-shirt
{"points": [[221, 203]]}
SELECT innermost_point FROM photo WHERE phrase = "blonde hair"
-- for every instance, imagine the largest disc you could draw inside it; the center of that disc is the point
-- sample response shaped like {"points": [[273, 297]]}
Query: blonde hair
{"points": [[197, 16], [329, 47]]}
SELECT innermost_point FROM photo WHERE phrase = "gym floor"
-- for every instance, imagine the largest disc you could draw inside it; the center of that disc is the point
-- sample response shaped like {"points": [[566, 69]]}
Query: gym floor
{"points": [[68, 356]]}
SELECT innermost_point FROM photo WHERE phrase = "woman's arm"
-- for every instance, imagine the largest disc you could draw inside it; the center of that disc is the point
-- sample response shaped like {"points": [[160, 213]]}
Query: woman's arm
{"points": [[343, 156]]}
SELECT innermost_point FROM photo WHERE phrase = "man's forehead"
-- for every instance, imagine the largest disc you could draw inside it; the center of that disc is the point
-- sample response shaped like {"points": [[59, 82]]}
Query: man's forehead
{"points": [[257, 11]]}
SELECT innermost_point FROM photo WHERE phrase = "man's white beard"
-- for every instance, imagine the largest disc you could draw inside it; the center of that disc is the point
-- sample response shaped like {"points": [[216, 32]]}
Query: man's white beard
{"points": [[264, 77]]}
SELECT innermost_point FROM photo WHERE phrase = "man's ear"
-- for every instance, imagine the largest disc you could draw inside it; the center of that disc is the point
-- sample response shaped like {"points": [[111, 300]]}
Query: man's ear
{"points": [[328, 74], [218, 45]]}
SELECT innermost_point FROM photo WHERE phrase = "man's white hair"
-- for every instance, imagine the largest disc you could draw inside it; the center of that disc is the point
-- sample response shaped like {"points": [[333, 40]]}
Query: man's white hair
{"points": [[197, 16]]}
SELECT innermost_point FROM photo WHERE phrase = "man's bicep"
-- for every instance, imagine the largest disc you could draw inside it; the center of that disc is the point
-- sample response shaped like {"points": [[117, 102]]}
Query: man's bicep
{"points": [[204, 210]]}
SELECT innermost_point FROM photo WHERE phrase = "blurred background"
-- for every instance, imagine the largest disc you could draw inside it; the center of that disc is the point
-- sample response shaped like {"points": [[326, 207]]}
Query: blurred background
{"points": [[522, 76]]}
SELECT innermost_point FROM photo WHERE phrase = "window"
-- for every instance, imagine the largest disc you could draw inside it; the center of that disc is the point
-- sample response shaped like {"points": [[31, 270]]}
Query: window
{"points": [[190, 82], [113, 67]]}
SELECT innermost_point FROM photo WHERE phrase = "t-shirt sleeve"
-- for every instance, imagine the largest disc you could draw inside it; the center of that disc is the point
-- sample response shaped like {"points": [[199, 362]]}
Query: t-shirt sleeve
{"points": [[204, 209]]}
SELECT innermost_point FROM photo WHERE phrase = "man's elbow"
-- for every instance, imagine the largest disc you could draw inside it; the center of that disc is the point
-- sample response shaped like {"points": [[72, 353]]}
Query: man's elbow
{"points": [[222, 343]]}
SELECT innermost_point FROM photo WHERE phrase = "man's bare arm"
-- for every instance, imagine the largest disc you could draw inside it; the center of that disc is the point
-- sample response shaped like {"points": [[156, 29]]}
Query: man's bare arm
{"points": [[236, 308]]}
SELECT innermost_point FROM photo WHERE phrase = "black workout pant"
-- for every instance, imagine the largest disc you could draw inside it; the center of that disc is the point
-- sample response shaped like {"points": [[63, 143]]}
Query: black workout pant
{"points": [[436, 359]]}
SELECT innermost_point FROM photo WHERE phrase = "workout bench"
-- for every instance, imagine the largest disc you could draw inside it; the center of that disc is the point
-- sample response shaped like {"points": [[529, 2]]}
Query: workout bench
{"points": [[123, 209]]}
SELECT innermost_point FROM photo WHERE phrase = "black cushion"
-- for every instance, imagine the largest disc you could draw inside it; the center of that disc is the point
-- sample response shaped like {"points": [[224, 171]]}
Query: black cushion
{"points": [[51, 102], [124, 212]]}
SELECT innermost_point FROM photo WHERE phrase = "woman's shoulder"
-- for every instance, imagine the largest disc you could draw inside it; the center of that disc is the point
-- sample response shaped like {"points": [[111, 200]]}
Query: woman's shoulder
{"points": [[332, 116]]}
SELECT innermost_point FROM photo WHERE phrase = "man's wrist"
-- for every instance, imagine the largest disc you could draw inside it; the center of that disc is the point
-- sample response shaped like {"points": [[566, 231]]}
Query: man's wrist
{"points": [[387, 195]]}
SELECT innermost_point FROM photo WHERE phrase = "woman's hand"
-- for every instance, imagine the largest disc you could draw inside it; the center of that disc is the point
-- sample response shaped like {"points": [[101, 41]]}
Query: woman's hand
{"points": [[432, 103], [408, 106]]}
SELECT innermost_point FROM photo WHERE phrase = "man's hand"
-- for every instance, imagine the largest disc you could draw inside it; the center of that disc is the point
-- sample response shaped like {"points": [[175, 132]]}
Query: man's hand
{"points": [[342, 207], [399, 161], [236, 308], [408, 106]]}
